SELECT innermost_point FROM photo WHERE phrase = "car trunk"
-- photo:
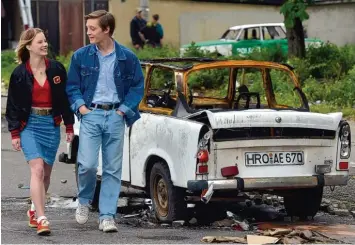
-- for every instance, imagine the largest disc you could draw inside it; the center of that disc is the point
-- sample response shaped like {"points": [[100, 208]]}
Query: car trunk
{"points": [[270, 143]]}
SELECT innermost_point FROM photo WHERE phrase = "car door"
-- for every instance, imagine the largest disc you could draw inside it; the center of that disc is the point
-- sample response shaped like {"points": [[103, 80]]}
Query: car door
{"points": [[274, 37], [248, 41]]}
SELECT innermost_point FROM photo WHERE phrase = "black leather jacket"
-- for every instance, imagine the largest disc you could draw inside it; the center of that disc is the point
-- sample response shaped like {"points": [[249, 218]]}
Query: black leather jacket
{"points": [[19, 100]]}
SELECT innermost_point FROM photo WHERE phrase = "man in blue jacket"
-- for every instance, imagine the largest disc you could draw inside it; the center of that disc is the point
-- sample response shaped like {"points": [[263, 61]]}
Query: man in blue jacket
{"points": [[105, 86]]}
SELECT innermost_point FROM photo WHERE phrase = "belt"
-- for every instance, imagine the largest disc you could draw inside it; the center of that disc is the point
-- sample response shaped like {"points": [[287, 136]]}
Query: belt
{"points": [[41, 112], [105, 106]]}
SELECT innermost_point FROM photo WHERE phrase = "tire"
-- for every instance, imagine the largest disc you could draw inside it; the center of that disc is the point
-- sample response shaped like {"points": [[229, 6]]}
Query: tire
{"points": [[303, 203], [168, 200]]}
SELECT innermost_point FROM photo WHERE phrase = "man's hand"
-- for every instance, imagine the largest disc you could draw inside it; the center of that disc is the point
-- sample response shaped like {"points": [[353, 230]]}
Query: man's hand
{"points": [[16, 144], [84, 110], [70, 137]]}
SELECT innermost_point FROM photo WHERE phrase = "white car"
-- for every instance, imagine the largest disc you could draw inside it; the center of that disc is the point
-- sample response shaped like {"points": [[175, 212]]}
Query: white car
{"points": [[201, 138], [244, 39]]}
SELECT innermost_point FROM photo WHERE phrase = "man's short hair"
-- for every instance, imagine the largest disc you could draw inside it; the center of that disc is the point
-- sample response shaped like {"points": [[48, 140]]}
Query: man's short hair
{"points": [[156, 17], [106, 19]]}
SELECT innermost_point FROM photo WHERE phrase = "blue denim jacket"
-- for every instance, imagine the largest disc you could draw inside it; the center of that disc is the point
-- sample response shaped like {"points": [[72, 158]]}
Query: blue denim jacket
{"points": [[83, 75]]}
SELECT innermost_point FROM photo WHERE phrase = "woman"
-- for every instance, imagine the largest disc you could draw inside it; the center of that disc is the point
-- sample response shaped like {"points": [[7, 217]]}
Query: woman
{"points": [[36, 104]]}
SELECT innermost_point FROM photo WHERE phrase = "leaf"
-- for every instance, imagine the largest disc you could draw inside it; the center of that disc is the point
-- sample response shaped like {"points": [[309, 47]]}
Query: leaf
{"points": [[289, 23]]}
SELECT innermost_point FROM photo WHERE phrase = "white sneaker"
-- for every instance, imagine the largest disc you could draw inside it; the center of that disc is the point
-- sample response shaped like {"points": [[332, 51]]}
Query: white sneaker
{"points": [[108, 225], [82, 214]]}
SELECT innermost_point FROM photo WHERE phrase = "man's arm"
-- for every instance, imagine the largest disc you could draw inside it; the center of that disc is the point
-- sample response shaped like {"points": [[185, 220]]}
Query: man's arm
{"points": [[73, 85], [135, 93]]}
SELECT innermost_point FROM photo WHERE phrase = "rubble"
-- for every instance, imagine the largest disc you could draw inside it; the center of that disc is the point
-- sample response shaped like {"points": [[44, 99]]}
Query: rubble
{"points": [[223, 223], [276, 236], [193, 221], [178, 223], [341, 212]]}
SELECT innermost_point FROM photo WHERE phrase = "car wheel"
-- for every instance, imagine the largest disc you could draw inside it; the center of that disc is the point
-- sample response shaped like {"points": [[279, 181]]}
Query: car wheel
{"points": [[303, 203], [168, 200]]}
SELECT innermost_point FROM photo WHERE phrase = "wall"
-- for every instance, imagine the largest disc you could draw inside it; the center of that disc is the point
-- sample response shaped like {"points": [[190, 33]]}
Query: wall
{"points": [[334, 23], [186, 21]]}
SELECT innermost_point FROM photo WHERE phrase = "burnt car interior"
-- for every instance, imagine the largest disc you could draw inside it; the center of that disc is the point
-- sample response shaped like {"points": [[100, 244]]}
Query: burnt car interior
{"points": [[215, 88]]}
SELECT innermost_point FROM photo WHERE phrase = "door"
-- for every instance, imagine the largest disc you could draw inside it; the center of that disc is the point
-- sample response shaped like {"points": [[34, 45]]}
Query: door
{"points": [[91, 6], [249, 40], [45, 15]]}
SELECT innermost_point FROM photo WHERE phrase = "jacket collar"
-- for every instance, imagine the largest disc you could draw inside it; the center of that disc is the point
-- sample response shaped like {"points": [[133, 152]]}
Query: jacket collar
{"points": [[120, 55]]}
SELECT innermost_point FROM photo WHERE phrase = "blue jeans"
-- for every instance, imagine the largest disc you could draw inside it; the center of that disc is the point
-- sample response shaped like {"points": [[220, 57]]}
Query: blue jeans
{"points": [[105, 129]]}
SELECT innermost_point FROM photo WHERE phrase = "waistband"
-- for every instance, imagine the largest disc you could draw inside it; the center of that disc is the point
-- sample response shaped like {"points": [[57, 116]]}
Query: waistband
{"points": [[41, 112]]}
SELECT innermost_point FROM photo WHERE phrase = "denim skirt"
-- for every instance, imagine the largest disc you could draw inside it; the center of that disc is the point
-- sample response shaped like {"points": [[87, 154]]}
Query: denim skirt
{"points": [[40, 138]]}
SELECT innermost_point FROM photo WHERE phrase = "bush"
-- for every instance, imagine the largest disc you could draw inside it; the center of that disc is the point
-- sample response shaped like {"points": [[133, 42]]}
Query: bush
{"points": [[8, 64]]}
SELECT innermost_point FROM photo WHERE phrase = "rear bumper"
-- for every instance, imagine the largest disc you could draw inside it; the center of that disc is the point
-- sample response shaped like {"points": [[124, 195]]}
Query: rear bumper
{"points": [[269, 183]]}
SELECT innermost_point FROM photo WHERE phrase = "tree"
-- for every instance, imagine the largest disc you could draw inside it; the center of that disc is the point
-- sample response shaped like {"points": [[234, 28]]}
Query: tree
{"points": [[295, 13]]}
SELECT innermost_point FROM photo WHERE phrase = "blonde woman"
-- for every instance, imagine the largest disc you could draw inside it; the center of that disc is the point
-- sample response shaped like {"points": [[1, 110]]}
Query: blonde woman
{"points": [[36, 104]]}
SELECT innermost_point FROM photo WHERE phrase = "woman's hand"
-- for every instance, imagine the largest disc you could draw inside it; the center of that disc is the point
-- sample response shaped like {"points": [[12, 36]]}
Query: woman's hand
{"points": [[16, 144], [70, 137]]}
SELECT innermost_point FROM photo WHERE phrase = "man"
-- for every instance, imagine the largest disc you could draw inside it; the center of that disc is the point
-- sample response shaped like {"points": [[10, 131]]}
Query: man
{"points": [[150, 35], [158, 27], [137, 24], [105, 86]]}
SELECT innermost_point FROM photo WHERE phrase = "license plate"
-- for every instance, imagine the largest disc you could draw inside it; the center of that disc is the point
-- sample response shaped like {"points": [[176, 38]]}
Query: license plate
{"points": [[274, 158]]}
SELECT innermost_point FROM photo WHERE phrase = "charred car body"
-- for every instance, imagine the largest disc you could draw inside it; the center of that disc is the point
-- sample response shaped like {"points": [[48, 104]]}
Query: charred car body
{"points": [[212, 128]]}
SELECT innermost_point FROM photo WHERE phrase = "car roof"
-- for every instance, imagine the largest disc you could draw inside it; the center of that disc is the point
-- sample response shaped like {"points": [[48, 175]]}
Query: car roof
{"points": [[255, 25], [195, 62]]}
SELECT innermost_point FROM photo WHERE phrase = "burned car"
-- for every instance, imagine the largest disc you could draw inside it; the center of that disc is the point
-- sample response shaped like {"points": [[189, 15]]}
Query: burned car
{"points": [[219, 128]]}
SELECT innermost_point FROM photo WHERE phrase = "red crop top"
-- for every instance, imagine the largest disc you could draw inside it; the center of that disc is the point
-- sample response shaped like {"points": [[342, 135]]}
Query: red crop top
{"points": [[41, 95]]}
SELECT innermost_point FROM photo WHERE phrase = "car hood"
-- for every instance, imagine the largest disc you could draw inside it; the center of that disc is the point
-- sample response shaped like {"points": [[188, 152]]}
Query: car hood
{"points": [[272, 118]]}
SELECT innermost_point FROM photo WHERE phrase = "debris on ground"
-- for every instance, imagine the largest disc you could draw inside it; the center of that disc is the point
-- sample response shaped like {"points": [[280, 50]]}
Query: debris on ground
{"points": [[63, 181], [22, 186], [276, 236]]}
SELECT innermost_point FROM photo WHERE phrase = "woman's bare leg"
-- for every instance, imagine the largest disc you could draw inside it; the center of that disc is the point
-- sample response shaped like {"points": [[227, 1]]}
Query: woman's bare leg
{"points": [[37, 188], [47, 176]]}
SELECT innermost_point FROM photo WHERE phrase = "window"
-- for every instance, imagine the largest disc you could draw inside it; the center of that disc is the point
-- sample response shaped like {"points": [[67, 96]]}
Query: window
{"points": [[253, 33], [211, 83], [162, 89], [275, 32], [284, 90], [249, 86], [231, 34]]}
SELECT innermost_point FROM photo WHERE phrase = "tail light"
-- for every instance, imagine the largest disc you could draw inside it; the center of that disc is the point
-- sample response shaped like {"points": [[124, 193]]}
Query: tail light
{"points": [[345, 141], [202, 159], [344, 165], [230, 171], [203, 154]]}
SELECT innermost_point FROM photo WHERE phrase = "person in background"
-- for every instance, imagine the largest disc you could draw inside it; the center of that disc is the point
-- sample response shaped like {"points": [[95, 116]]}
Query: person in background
{"points": [[137, 24], [36, 105], [159, 28], [105, 86]]}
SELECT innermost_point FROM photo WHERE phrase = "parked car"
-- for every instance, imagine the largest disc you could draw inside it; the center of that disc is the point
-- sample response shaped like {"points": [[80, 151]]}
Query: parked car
{"points": [[244, 39], [201, 138]]}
